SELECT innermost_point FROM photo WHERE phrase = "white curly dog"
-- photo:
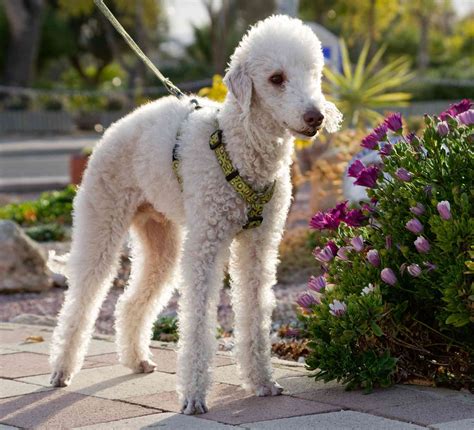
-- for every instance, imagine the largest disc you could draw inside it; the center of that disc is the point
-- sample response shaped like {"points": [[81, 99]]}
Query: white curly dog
{"points": [[274, 82]]}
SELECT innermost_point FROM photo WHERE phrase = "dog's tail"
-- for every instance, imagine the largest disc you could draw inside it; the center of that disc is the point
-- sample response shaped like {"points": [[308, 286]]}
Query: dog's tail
{"points": [[58, 263]]}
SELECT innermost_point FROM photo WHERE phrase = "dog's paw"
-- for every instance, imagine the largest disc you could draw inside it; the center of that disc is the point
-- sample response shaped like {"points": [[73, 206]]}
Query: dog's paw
{"points": [[269, 389], [146, 366], [192, 406], [60, 378]]}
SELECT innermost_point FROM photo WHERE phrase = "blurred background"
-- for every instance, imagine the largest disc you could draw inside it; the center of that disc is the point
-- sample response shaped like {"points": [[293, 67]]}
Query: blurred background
{"points": [[66, 75]]}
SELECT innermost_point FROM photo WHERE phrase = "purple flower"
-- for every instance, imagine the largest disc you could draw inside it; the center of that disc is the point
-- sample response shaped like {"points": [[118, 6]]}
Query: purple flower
{"points": [[414, 270], [318, 221], [354, 218], [324, 255], [466, 118], [428, 189], [456, 109], [337, 308], [368, 177], [442, 128], [332, 246], [386, 149], [293, 332], [370, 141], [403, 267], [358, 243], [394, 122], [317, 283], [307, 300], [380, 132], [429, 266], [418, 209], [373, 257], [410, 137], [388, 242], [444, 209], [355, 168], [422, 245], [388, 276], [414, 225], [403, 174], [342, 253]]}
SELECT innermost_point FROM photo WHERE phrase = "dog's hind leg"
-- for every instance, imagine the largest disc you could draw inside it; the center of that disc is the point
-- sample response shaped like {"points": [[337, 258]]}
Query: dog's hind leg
{"points": [[156, 248], [101, 219]]}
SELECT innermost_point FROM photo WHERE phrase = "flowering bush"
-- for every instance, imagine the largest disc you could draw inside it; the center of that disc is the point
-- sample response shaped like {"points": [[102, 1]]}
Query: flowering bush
{"points": [[396, 298]]}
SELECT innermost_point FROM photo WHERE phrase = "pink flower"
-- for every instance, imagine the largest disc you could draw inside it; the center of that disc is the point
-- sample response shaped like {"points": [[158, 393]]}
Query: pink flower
{"points": [[368, 177], [414, 270], [422, 245], [414, 225], [342, 253], [466, 118], [355, 168], [418, 209], [410, 137], [354, 218], [358, 243], [373, 257], [388, 276], [380, 132], [324, 255], [307, 300], [386, 149], [442, 128], [388, 242], [429, 266], [332, 246], [370, 141], [403, 174], [456, 109], [337, 308], [394, 122], [444, 209], [317, 283]]}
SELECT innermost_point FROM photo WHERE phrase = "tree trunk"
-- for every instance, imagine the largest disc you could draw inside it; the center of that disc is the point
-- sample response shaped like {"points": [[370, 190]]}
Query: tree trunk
{"points": [[24, 20]]}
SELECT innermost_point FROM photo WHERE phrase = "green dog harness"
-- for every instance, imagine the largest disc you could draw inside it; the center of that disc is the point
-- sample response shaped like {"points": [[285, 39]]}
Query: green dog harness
{"points": [[255, 200]]}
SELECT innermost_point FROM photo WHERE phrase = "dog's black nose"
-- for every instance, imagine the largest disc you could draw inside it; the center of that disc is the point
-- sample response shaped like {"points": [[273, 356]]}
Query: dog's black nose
{"points": [[313, 118]]}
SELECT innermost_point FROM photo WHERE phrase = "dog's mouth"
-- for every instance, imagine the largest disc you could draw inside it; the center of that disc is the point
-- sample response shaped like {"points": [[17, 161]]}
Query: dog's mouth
{"points": [[305, 133]]}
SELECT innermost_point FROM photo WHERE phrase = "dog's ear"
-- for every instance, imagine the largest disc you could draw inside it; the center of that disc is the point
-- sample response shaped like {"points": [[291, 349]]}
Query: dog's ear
{"points": [[239, 84], [333, 117]]}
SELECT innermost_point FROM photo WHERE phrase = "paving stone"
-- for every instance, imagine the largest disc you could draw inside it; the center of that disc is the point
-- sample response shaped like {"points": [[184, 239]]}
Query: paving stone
{"points": [[343, 420], [9, 388], [233, 405], [113, 382], [303, 384], [96, 347], [21, 364], [377, 401], [162, 421], [58, 409], [6, 351], [429, 412], [454, 425], [5, 427], [10, 337], [230, 374], [165, 359]]}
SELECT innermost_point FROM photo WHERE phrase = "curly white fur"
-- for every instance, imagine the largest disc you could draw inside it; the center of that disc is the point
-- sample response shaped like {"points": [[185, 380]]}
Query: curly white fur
{"points": [[130, 183]]}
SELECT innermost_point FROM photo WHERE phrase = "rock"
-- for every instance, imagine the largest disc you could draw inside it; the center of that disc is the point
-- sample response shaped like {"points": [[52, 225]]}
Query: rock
{"points": [[22, 261]]}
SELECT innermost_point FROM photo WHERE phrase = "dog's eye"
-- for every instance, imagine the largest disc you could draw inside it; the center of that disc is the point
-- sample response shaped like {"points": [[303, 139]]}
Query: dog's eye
{"points": [[277, 79]]}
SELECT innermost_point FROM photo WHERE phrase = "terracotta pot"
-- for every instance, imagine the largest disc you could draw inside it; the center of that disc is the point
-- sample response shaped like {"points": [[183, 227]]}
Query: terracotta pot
{"points": [[77, 165]]}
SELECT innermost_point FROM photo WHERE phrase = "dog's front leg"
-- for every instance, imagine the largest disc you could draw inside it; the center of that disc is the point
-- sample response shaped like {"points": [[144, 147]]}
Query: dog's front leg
{"points": [[252, 271], [204, 253]]}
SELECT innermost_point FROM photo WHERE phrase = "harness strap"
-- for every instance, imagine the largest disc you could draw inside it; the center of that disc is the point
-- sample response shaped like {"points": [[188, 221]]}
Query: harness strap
{"points": [[255, 200]]}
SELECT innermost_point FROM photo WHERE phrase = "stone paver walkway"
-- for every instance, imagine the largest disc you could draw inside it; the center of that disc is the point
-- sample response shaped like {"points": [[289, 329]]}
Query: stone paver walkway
{"points": [[105, 395]]}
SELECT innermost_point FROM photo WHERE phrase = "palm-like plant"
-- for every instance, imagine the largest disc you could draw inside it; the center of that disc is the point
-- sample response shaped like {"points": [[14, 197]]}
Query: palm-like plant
{"points": [[362, 88]]}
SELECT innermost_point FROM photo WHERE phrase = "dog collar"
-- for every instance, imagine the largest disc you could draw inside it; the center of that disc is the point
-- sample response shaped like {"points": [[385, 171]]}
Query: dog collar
{"points": [[255, 200]]}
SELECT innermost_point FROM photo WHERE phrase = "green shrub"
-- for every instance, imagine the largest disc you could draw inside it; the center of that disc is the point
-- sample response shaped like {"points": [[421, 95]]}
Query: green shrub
{"points": [[50, 207], [166, 329], [46, 233], [396, 301]]}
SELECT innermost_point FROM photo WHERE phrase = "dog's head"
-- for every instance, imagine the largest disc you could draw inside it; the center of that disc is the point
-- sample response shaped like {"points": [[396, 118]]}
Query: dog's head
{"points": [[278, 64]]}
